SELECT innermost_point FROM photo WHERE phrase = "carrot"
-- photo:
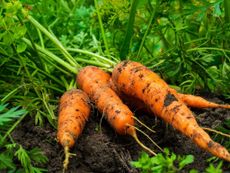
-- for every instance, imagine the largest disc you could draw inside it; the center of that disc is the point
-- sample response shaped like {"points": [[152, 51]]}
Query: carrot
{"points": [[95, 83], [188, 99], [132, 102], [199, 102], [74, 110], [136, 80]]}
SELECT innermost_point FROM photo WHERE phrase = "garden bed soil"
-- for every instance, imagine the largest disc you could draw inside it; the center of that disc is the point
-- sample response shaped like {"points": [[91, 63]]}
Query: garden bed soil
{"points": [[100, 149]]}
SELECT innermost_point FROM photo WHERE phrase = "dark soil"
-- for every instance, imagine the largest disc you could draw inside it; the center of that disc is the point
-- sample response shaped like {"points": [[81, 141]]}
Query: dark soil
{"points": [[100, 150]]}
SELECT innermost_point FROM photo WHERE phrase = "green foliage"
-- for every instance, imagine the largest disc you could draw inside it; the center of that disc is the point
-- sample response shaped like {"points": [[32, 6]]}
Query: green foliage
{"points": [[10, 151], [170, 163], [166, 162], [10, 114], [12, 29], [28, 159], [212, 169]]}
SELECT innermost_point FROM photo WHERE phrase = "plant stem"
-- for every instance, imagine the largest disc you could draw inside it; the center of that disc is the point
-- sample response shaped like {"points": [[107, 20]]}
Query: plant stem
{"points": [[92, 54], [129, 31], [148, 28], [53, 56], [227, 10], [66, 54], [7, 97], [210, 48], [40, 37], [101, 27], [13, 126], [93, 62]]}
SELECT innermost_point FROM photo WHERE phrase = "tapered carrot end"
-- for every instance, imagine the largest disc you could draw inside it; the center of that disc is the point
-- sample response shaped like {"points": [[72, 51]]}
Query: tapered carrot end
{"points": [[219, 151], [67, 156], [202, 139], [225, 106]]}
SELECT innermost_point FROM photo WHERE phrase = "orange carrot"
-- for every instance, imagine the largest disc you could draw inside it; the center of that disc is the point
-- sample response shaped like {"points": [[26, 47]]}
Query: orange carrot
{"points": [[95, 83], [136, 80], [74, 110], [199, 102], [188, 99], [132, 102]]}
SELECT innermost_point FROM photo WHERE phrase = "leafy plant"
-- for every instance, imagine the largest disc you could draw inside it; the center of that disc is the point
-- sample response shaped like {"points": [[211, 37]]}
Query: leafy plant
{"points": [[28, 159], [11, 150], [162, 162], [9, 115], [212, 169]]}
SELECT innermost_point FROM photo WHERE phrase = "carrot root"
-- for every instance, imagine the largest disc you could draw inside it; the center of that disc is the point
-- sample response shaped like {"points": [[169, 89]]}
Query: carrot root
{"points": [[134, 135], [199, 102], [216, 131], [67, 156], [74, 110], [154, 143], [164, 102], [143, 124], [96, 83]]}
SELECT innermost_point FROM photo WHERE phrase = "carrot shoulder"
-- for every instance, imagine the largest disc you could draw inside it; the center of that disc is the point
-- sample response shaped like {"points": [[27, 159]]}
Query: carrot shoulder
{"points": [[74, 110], [164, 103]]}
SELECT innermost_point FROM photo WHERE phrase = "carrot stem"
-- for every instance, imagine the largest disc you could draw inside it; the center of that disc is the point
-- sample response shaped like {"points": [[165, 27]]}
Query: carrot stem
{"points": [[129, 30], [52, 56], [101, 27], [92, 55], [148, 29], [66, 54]]}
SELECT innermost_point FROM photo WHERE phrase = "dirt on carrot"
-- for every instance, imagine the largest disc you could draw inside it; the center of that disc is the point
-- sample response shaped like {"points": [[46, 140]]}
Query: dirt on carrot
{"points": [[164, 103], [95, 83], [74, 111]]}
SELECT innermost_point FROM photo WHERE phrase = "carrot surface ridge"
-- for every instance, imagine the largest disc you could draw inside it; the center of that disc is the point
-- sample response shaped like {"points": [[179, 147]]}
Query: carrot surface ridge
{"points": [[138, 81]]}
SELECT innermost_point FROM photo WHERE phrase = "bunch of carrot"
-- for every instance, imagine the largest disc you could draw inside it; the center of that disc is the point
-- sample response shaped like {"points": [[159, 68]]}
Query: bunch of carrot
{"points": [[138, 86]]}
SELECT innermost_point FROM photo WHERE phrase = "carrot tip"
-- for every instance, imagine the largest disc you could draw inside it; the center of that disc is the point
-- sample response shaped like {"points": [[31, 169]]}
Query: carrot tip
{"points": [[67, 156]]}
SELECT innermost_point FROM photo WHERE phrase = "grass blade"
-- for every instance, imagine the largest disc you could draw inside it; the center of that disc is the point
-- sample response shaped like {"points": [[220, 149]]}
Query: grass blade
{"points": [[101, 27], [129, 31], [227, 10]]}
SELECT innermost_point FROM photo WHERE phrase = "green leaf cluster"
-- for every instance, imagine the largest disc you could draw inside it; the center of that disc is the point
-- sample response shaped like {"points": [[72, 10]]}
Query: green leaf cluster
{"points": [[29, 159], [162, 162], [10, 114], [171, 163]]}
